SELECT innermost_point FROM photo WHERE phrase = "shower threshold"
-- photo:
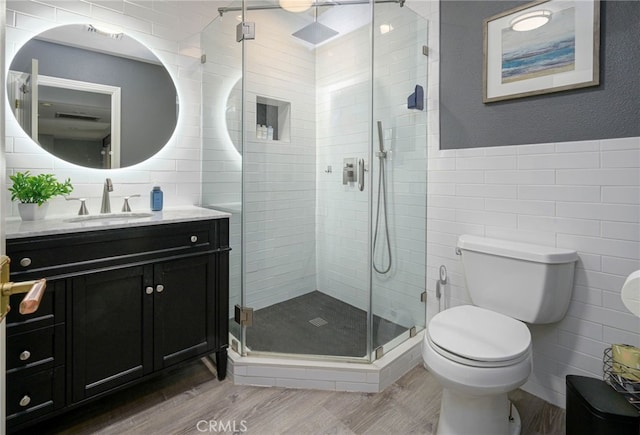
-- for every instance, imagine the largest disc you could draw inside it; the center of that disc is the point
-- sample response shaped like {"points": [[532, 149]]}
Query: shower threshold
{"points": [[298, 372], [319, 342]]}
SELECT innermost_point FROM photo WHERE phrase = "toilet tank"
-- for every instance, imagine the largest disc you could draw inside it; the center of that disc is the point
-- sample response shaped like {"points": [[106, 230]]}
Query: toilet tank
{"points": [[528, 282]]}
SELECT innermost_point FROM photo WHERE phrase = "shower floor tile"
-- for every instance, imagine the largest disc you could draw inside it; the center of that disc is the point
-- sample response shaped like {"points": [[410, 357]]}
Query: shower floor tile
{"points": [[315, 324]]}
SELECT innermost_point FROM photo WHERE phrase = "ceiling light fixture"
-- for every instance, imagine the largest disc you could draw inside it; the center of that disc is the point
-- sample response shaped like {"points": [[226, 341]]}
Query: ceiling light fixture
{"points": [[530, 20], [296, 5]]}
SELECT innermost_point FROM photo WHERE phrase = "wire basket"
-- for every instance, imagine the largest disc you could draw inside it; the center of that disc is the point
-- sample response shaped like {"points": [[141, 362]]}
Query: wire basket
{"points": [[622, 378]]}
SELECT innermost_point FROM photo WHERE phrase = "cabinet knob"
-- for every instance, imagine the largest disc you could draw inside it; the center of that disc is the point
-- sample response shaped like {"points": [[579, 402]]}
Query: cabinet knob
{"points": [[159, 288], [194, 239], [25, 401], [25, 355], [25, 262], [148, 290]]}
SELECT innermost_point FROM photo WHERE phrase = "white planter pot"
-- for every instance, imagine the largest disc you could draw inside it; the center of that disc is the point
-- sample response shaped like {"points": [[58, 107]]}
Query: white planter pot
{"points": [[32, 212]]}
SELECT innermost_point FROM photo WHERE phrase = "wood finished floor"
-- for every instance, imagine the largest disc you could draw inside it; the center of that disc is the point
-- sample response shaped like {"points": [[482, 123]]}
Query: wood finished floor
{"points": [[176, 402]]}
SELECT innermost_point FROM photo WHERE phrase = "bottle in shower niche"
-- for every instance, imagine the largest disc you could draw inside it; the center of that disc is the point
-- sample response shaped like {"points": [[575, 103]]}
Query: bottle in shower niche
{"points": [[156, 199], [269, 133]]}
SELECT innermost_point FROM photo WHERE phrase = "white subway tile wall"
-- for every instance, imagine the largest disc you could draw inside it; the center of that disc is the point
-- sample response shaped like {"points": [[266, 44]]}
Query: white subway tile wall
{"points": [[579, 195]]}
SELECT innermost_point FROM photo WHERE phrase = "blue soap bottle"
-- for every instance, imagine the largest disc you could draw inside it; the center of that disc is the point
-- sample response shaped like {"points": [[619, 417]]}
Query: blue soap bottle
{"points": [[156, 199]]}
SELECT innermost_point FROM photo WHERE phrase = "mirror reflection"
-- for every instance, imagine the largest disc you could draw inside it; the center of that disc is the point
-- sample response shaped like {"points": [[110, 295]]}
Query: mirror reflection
{"points": [[96, 99]]}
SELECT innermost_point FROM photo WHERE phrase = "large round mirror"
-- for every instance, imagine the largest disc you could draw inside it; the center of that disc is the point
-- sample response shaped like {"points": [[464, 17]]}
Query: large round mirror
{"points": [[91, 97]]}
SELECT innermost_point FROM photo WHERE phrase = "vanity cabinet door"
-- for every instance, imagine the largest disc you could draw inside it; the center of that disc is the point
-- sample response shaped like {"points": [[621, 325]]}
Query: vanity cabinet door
{"points": [[112, 329], [184, 309]]}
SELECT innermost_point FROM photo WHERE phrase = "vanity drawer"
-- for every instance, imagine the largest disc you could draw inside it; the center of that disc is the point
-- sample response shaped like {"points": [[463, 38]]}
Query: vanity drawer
{"points": [[36, 350], [50, 311], [52, 255], [32, 396]]}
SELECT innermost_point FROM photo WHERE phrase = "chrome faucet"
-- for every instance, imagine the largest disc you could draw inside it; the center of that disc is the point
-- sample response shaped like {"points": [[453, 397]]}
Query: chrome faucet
{"points": [[106, 202]]}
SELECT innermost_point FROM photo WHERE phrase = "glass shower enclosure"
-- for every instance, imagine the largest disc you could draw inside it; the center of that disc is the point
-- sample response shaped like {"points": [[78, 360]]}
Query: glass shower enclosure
{"points": [[315, 134]]}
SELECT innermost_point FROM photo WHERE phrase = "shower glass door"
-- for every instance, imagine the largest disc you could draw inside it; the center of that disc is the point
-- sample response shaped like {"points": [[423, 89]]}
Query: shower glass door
{"points": [[291, 150], [222, 140], [399, 172], [306, 112]]}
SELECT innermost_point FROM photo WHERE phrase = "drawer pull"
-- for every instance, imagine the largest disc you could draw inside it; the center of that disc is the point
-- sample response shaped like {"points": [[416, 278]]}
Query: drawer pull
{"points": [[25, 262], [25, 355], [159, 288], [25, 401], [194, 239], [148, 290]]}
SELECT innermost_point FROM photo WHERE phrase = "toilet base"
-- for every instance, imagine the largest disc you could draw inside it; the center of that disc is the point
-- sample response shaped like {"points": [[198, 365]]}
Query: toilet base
{"points": [[478, 415]]}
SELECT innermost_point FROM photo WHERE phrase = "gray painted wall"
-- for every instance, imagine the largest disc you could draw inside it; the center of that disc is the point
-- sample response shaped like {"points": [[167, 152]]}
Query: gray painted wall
{"points": [[149, 110], [609, 110]]}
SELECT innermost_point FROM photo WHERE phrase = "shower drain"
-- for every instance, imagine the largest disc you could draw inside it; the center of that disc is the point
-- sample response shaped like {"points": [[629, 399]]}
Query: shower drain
{"points": [[318, 321]]}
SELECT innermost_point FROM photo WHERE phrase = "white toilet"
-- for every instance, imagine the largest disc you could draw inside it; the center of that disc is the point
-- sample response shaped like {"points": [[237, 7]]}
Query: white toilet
{"points": [[481, 352]]}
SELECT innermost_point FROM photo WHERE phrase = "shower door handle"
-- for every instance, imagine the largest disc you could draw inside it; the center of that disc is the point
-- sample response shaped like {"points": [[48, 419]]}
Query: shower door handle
{"points": [[361, 174]]}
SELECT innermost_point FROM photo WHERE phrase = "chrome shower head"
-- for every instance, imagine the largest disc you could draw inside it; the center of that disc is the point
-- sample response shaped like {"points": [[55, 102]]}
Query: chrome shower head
{"points": [[315, 33]]}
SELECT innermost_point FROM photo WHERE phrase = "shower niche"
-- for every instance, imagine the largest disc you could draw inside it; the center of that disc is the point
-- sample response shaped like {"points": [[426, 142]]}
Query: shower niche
{"points": [[273, 119]]}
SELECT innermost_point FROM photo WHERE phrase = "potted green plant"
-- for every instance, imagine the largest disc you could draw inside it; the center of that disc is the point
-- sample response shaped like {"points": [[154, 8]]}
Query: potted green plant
{"points": [[33, 192]]}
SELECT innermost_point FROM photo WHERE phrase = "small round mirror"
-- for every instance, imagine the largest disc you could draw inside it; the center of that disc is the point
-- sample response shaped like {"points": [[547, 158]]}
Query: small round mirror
{"points": [[92, 97]]}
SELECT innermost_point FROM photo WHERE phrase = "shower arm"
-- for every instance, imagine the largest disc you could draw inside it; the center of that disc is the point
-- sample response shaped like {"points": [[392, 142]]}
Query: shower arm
{"points": [[224, 10]]}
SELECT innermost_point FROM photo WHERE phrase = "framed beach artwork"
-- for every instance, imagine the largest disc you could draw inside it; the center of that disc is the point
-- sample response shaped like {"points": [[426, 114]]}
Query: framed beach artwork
{"points": [[541, 47]]}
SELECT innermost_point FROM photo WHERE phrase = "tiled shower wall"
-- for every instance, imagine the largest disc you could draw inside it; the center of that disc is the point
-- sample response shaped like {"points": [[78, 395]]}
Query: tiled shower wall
{"points": [[578, 195], [279, 177], [172, 33], [344, 113]]}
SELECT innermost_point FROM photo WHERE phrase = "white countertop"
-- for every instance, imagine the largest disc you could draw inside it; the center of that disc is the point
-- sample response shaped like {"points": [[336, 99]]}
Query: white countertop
{"points": [[15, 228]]}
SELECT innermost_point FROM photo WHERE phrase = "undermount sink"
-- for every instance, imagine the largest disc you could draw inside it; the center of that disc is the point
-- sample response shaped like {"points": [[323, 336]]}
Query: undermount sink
{"points": [[109, 217]]}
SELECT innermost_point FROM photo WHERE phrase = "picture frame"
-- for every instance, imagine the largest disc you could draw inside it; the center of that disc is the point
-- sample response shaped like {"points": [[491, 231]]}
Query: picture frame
{"points": [[561, 54]]}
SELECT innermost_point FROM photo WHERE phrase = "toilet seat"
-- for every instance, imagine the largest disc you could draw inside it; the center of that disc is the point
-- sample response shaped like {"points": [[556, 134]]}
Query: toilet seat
{"points": [[479, 337]]}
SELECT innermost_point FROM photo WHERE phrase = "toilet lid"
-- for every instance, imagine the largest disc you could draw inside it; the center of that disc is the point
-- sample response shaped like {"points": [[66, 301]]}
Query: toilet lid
{"points": [[479, 334]]}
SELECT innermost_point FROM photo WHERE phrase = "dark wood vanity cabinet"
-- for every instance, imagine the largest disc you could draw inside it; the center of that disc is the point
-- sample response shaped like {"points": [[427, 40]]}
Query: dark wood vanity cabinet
{"points": [[126, 304]]}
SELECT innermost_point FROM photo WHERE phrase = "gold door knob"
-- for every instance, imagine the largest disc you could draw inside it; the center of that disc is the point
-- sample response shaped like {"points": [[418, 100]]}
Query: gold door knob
{"points": [[33, 289]]}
